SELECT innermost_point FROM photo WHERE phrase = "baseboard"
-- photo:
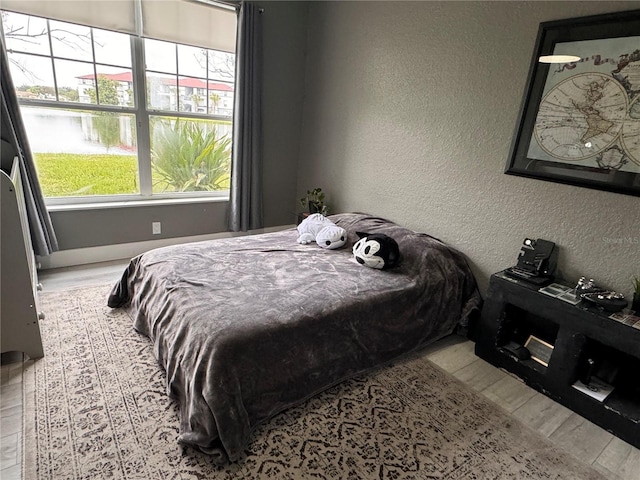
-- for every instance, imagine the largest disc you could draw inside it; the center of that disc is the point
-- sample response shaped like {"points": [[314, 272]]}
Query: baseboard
{"points": [[105, 253]]}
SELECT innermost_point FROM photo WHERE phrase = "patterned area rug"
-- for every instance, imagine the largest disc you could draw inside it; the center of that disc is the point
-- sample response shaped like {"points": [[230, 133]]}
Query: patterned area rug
{"points": [[96, 407]]}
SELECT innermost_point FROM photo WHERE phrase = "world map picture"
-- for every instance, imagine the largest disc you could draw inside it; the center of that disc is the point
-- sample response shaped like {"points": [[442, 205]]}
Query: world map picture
{"points": [[589, 114]]}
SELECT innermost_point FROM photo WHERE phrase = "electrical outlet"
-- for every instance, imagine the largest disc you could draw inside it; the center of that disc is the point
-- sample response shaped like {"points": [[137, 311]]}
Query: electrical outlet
{"points": [[156, 228]]}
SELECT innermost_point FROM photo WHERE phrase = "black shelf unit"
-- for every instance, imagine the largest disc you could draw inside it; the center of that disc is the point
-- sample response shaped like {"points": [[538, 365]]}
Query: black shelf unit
{"points": [[514, 310]]}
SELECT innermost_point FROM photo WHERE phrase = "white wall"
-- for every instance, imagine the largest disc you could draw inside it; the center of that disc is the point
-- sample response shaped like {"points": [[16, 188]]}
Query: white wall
{"points": [[409, 113]]}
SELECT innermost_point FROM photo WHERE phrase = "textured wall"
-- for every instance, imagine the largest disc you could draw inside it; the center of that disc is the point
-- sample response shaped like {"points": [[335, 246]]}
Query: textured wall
{"points": [[409, 113], [285, 31]]}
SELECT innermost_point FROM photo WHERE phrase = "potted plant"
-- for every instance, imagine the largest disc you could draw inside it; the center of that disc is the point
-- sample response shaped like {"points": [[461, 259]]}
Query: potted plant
{"points": [[314, 201], [636, 295]]}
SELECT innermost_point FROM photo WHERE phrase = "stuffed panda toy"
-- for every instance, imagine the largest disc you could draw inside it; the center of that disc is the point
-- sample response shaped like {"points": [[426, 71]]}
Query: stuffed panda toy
{"points": [[376, 250], [318, 228]]}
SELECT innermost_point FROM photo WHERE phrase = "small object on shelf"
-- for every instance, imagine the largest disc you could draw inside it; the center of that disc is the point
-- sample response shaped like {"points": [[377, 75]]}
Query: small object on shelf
{"points": [[587, 286], [561, 292], [597, 389], [591, 363], [626, 317], [536, 262], [609, 301], [519, 352], [636, 294], [554, 290], [570, 297], [540, 350], [527, 276]]}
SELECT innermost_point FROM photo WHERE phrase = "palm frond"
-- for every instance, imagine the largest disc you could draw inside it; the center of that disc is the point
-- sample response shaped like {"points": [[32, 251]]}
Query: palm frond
{"points": [[189, 156]]}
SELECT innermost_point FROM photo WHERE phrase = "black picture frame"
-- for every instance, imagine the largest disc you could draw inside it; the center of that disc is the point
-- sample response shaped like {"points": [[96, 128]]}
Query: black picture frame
{"points": [[579, 122], [539, 349]]}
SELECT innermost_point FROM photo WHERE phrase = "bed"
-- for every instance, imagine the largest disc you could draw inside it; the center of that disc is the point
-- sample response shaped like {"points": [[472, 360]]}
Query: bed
{"points": [[248, 326]]}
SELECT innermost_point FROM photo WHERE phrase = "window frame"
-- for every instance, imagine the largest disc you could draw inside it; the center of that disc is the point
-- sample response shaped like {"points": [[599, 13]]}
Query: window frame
{"points": [[141, 112]]}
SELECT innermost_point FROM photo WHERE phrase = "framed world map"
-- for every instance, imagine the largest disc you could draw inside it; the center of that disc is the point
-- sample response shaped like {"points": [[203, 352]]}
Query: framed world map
{"points": [[579, 122]]}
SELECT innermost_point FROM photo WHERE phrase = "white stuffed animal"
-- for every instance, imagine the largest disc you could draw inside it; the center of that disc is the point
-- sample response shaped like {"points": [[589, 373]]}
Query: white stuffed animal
{"points": [[318, 228]]}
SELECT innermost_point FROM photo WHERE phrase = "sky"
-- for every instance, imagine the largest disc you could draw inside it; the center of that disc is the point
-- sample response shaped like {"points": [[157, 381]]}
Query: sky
{"points": [[72, 49]]}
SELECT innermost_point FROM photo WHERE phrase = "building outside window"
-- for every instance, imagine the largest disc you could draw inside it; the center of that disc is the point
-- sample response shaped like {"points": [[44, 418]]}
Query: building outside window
{"points": [[116, 116]]}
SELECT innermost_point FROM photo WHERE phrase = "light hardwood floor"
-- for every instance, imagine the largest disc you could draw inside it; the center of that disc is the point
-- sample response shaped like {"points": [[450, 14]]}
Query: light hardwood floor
{"points": [[616, 459]]}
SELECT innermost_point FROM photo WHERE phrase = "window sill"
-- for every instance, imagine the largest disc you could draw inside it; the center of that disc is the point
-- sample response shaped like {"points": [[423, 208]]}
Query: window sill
{"points": [[133, 203]]}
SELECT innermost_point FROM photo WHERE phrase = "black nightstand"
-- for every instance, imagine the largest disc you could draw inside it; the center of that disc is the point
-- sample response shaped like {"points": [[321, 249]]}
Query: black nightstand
{"points": [[585, 341]]}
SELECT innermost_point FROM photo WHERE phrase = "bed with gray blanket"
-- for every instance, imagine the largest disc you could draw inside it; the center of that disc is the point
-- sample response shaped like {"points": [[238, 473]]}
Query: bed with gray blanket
{"points": [[249, 326]]}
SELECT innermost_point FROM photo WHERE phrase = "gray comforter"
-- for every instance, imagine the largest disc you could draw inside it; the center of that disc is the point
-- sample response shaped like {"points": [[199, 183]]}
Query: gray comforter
{"points": [[246, 327]]}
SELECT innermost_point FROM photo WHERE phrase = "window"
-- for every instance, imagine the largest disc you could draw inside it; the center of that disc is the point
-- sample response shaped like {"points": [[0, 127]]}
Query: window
{"points": [[115, 116]]}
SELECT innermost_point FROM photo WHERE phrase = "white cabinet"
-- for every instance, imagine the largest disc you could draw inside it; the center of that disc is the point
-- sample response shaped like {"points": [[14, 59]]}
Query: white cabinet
{"points": [[19, 329]]}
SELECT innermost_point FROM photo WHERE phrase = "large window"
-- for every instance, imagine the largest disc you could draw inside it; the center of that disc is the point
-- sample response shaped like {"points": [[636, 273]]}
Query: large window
{"points": [[113, 116]]}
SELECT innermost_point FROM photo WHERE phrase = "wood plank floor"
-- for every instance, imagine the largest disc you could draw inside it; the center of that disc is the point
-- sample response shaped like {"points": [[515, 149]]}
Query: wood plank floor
{"points": [[616, 459]]}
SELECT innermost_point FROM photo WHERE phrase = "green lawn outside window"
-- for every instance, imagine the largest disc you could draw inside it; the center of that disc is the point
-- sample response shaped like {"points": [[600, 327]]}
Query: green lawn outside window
{"points": [[66, 174]]}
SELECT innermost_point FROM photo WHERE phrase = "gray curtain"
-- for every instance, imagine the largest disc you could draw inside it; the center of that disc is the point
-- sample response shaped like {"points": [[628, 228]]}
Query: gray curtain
{"points": [[43, 238], [245, 211]]}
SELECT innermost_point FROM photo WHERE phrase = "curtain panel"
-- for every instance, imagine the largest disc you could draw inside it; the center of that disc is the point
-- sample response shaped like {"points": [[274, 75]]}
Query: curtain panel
{"points": [[246, 210], [43, 237]]}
